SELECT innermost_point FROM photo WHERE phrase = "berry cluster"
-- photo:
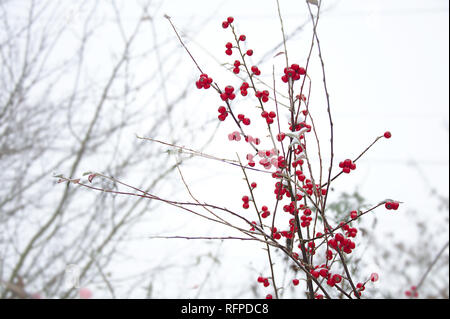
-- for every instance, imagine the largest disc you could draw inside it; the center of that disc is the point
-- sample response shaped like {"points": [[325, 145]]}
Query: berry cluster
{"points": [[332, 280], [227, 22], [255, 69], [263, 96], [349, 231], [265, 212], [229, 47], [275, 233], [347, 165], [243, 88], [321, 270], [359, 288], [245, 199], [392, 205], [264, 281], [222, 113], [236, 69], [344, 244], [306, 218], [243, 119], [269, 116], [412, 293], [204, 81], [250, 139], [293, 72], [235, 136], [228, 93]]}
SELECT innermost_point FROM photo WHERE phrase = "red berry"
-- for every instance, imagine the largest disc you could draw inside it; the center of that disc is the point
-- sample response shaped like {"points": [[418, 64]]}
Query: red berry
{"points": [[230, 19], [242, 38], [269, 296], [249, 52], [295, 282], [229, 89], [225, 24], [387, 134]]}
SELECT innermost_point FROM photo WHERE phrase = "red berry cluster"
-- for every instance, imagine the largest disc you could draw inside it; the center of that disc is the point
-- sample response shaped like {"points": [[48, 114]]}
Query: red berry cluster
{"points": [[243, 119], [228, 94], [264, 281], [269, 116], [255, 70], [263, 96], [227, 22], [347, 165], [222, 113], [359, 288], [311, 248], [329, 254], [300, 126], [392, 205], [234, 136], [349, 231], [245, 199], [321, 270], [345, 244], [306, 218], [281, 190], [275, 233], [265, 212], [294, 72], [281, 136], [229, 46], [251, 139], [308, 186], [332, 280], [412, 293], [204, 81], [236, 69], [243, 88]]}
